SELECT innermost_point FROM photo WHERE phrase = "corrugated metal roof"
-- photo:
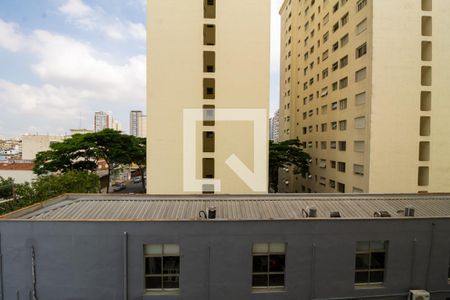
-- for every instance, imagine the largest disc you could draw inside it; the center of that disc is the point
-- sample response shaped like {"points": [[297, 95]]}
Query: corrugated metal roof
{"points": [[233, 208]]}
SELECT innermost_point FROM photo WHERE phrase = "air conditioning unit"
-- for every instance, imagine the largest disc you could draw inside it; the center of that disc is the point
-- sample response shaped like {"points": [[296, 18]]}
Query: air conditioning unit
{"points": [[418, 295]]}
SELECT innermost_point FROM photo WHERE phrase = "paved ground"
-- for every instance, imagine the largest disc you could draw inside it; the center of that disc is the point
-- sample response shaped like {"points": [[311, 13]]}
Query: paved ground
{"points": [[132, 188]]}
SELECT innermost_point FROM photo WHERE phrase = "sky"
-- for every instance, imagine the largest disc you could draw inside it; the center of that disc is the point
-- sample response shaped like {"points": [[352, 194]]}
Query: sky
{"points": [[62, 60]]}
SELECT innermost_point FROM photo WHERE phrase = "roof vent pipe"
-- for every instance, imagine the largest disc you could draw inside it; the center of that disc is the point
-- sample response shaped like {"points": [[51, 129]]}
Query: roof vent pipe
{"points": [[410, 211], [309, 212]]}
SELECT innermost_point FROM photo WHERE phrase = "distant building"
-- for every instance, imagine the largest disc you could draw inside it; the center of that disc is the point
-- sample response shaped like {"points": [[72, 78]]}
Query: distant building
{"points": [[20, 171], [274, 127], [32, 144], [138, 123], [269, 247], [102, 120], [80, 131]]}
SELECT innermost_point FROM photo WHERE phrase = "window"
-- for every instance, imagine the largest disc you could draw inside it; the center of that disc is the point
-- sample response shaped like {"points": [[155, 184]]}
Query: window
{"points": [[343, 104], [334, 105], [427, 26], [360, 74], [342, 146], [209, 9], [344, 40], [427, 5], [208, 141], [325, 73], [427, 51], [209, 114], [325, 37], [336, 27], [425, 101], [323, 181], [324, 109], [336, 7], [343, 125], [361, 4], [358, 169], [359, 146], [162, 267], [333, 164], [335, 66], [334, 127], [208, 167], [326, 19], [323, 145], [341, 166], [344, 61], [344, 20], [425, 126], [370, 262], [209, 61], [361, 50], [268, 265], [360, 98], [426, 79], [209, 35], [334, 86], [333, 146], [341, 187], [361, 27], [335, 46], [424, 176], [360, 123], [323, 127], [343, 83], [332, 184], [325, 55], [209, 88]]}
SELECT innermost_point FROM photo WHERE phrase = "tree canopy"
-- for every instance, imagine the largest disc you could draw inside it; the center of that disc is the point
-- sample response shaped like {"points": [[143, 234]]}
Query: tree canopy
{"points": [[286, 154], [81, 152]]}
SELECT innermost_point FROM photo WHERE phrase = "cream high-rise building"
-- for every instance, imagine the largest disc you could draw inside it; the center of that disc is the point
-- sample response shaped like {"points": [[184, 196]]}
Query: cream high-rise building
{"points": [[365, 88], [212, 56]]}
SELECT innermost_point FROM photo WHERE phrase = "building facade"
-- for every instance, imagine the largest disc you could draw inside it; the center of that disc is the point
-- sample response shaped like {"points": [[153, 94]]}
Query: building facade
{"points": [[79, 247], [138, 123], [275, 127], [33, 144], [208, 60], [363, 85], [103, 120]]}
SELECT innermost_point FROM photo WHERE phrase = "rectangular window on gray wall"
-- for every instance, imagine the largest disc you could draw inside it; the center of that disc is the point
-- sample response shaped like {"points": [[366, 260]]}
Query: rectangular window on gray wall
{"points": [[162, 267], [370, 262], [208, 168], [209, 115], [268, 265], [209, 141]]}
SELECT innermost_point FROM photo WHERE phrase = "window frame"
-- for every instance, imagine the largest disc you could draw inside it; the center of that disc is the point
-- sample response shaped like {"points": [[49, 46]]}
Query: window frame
{"points": [[370, 251], [161, 275], [269, 273]]}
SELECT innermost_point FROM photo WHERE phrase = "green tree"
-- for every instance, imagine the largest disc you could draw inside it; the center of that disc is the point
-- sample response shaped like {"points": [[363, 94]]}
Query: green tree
{"points": [[82, 152], [137, 154], [73, 154], [111, 146], [286, 154], [46, 187], [6, 188]]}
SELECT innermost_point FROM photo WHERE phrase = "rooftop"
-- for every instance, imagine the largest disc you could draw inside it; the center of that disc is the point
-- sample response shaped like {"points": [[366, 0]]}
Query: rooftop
{"points": [[232, 208], [21, 166]]}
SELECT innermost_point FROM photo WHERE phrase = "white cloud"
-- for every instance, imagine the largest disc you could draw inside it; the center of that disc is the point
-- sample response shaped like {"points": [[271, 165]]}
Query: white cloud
{"points": [[89, 18], [10, 38], [77, 78], [75, 8]]}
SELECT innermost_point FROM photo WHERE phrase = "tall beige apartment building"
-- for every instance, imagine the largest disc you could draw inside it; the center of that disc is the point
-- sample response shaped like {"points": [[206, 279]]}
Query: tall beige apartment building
{"points": [[365, 88], [207, 59]]}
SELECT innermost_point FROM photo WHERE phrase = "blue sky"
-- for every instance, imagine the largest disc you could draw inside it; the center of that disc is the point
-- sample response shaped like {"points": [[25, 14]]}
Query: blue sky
{"points": [[62, 60]]}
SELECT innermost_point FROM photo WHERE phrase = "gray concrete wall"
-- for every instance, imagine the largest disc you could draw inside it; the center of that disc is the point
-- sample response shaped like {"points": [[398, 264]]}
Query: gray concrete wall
{"points": [[84, 260]]}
